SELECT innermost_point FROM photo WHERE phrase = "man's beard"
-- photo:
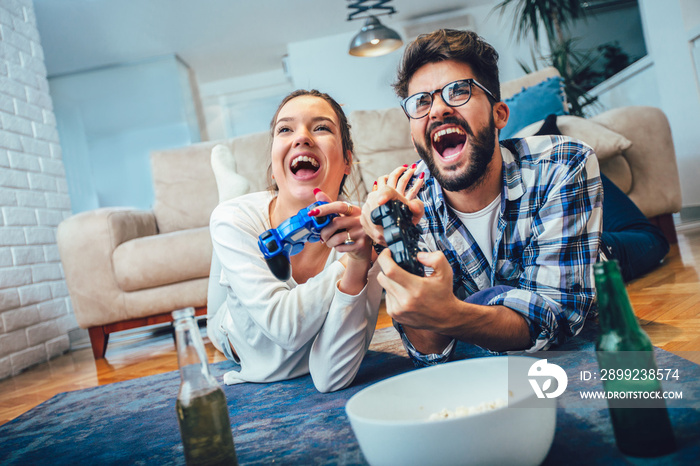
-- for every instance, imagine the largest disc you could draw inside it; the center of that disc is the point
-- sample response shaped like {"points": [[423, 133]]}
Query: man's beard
{"points": [[482, 145]]}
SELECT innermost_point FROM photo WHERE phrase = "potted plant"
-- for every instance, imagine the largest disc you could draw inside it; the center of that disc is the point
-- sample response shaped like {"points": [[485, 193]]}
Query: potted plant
{"points": [[556, 17]]}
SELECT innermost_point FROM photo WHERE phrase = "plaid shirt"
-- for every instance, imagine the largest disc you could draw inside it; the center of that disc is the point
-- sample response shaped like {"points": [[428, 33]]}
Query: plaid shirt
{"points": [[548, 239]]}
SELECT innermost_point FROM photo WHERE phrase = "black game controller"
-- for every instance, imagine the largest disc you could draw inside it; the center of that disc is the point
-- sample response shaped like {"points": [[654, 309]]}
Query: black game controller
{"points": [[400, 234], [288, 239]]}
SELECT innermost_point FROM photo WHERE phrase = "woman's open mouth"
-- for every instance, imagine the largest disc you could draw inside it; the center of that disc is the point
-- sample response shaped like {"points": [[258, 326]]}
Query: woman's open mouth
{"points": [[449, 142], [304, 167]]}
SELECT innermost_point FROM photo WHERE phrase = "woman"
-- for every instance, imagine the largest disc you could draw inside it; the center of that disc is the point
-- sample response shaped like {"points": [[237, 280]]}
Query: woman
{"points": [[322, 319]]}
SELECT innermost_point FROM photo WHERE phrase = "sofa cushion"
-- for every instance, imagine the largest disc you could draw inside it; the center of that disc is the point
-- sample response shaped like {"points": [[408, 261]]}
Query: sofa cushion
{"points": [[533, 104], [605, 143], [382, 142], [252, 158], [184, 184], [229, 182], [164, 259], [612, 163], [185, 190]]}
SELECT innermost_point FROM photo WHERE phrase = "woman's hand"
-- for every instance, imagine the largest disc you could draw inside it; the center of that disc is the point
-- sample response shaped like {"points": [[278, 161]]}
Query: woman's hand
{"points": [[399, 178], [345, 232], [387, 188]]}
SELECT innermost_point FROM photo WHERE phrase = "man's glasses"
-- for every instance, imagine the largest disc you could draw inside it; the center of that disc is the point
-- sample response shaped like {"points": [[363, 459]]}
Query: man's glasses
{"points": [[454, 94]]}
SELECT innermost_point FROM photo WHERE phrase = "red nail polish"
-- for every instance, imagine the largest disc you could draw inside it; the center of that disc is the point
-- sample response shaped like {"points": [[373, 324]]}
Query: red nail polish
{"points": [[375, 183], [413, 166], [405, 165], [422, 175], [316, 190], [313, 213]]}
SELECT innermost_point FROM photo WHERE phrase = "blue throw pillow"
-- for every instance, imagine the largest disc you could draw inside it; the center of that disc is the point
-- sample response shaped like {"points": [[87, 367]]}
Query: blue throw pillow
{"points": [[533, 104]]}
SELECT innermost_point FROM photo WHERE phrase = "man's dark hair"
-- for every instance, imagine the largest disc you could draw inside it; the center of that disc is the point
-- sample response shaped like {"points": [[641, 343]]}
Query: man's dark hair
{"points": [[450, 44]]}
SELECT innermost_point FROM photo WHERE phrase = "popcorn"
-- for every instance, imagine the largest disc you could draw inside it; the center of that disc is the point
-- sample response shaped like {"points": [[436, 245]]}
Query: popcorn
{"points": [[462, 411]]}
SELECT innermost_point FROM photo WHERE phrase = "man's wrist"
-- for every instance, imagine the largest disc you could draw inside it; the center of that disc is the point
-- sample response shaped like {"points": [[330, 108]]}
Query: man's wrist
{"points": [[421, 359], [426, 341]]}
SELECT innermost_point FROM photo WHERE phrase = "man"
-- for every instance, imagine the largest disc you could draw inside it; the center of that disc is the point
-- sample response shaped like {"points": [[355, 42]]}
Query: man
{"points": [[514, 229]]}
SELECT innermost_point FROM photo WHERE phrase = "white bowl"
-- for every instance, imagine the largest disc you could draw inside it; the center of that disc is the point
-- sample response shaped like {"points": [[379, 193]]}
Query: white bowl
{"points": [[390, 418]]}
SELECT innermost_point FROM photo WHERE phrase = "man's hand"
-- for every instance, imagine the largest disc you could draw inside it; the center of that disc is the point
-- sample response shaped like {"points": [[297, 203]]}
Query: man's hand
{"points": [[419, 302], [380, 197]]}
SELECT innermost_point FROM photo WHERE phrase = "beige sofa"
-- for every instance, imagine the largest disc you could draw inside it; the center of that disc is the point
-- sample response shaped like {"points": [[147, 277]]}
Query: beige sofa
{"points": [[126, 268]]}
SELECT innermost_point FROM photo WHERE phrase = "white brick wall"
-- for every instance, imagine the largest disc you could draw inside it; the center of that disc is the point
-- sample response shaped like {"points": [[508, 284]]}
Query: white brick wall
{"points": [[35, 311]]}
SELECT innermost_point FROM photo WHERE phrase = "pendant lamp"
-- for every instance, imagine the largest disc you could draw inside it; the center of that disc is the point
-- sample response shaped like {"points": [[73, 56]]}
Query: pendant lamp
{"points": [[374, 39]]}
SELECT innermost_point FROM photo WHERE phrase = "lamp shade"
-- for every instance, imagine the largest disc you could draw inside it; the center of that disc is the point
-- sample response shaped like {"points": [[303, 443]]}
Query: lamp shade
{"points": [[374, 39]]}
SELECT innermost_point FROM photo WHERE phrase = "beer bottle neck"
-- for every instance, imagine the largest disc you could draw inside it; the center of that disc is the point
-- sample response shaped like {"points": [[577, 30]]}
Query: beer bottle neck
{"points": [[614, 309], [191, 355]]}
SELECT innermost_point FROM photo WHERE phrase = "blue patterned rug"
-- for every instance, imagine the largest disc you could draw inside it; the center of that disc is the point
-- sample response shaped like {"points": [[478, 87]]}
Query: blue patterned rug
{"points": [[289, 422]]}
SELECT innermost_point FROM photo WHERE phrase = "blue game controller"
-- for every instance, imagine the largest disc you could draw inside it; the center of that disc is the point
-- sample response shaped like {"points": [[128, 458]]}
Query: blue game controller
{"points": [[277, 244]]}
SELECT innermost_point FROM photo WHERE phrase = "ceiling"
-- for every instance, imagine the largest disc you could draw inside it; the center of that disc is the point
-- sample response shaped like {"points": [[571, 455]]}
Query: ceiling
{"points": [[218, 39]]}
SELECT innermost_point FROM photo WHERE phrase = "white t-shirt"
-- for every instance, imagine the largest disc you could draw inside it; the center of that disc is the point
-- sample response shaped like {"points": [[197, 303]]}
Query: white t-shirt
{"points": [[483, 226], [282, 330]]}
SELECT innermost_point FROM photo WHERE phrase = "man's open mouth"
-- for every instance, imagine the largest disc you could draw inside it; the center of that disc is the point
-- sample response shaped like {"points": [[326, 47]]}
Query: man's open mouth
{"points": [[304, 165], [449, 142]]}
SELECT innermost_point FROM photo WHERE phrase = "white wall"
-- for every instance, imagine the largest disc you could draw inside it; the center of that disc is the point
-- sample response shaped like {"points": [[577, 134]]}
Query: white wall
{"points": [[355, 82], [668, 26], [35, 316], [243, 105], [111, 118], [691, 13]]}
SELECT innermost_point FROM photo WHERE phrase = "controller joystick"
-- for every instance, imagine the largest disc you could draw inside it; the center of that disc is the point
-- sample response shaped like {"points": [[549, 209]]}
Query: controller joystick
{"points": [[288, 239], [400, 234]]}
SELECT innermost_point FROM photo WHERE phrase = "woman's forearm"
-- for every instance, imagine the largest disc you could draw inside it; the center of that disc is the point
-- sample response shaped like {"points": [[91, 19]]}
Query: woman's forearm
{"points": [[355, 277]]}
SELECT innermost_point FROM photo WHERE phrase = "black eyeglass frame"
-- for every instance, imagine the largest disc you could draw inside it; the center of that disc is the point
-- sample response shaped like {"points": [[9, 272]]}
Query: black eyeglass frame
{"points": [[469, 81]]}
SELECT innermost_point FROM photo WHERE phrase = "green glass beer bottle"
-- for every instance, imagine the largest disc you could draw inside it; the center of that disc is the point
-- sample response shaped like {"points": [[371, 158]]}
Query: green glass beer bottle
{"points": [[629, 372], [201, 407]]}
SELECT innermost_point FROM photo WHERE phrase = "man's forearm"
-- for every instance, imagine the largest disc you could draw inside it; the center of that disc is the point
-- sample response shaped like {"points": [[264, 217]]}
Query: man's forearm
{"points": [[496, 328]]}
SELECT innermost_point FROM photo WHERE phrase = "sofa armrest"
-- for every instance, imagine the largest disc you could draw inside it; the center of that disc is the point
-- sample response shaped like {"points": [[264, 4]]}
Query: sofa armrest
{"points": [[86, 242], [656, 188]]}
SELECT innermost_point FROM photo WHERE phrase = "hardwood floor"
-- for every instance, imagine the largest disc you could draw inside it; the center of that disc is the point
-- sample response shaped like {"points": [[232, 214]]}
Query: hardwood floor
{"points": [[667, 302]]}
